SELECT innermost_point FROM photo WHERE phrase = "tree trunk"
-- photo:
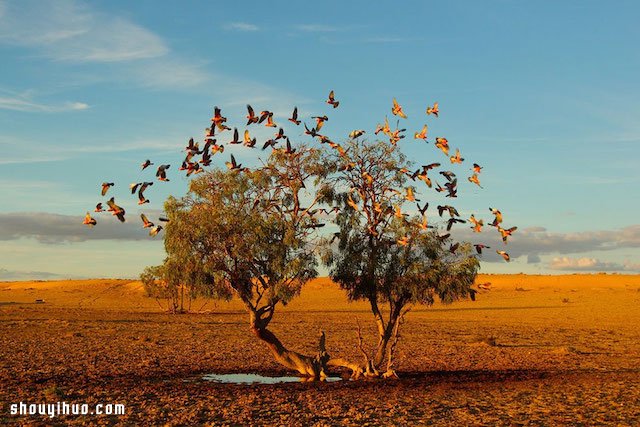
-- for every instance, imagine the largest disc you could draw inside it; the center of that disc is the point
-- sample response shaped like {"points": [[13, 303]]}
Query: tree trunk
{"points": [[305, 365]]}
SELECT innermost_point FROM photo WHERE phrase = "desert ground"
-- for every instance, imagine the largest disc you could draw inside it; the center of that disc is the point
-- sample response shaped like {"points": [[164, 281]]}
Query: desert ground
{"points": [[534, 350]]}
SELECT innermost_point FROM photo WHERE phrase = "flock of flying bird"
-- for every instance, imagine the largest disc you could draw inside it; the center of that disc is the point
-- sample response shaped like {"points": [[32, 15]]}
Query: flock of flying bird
{"points": [[193, 165]]}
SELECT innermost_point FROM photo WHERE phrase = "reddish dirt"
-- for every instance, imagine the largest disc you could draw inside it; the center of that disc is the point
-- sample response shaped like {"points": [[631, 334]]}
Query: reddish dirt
{"points": [[535, 350]]}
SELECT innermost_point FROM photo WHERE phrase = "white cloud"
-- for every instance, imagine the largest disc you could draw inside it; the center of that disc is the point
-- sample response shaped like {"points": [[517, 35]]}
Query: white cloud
{"points": [[583, 264], [24, 104], [241, 26], [316, 28], [68, 31], [55, 228]]}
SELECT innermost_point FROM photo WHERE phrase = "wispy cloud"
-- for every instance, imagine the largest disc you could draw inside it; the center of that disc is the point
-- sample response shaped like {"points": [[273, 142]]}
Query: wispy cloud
{"points": [[70, 31], [241, 26], [316, 28], [386, 39], [21, 103]]}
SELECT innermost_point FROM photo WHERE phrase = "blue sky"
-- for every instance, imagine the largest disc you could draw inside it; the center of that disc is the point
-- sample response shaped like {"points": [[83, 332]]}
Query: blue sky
{"points": [[543, 94]]}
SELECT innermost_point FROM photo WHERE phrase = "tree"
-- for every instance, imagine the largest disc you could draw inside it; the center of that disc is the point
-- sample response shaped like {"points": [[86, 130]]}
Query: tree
{"points": [[385, 256], [246, 233]]}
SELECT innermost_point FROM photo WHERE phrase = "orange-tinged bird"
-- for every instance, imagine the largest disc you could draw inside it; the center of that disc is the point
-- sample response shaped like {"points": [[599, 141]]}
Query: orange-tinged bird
{"points": [[105, 187], [443, 144], [98, 208], [506, 233], [424, 224], [474, 179], [145, 221], [248, 141], [115, 209], [456, 158], [486, 286], [476, 168], [397, 109], [155, 230], [504, 255], [270, 123], [410, 196], [217, 116], [477, 224], [320, 121], [433, 110], [422, 134], [88, 220], [498, 218]]}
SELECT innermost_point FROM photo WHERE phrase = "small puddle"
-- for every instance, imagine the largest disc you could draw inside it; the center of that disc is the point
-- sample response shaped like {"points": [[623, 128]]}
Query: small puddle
{"points": [[259, 379]]}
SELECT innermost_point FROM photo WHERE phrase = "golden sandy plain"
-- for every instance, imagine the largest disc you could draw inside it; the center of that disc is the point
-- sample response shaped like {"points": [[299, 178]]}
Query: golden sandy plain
{"points": [[534, 350]]}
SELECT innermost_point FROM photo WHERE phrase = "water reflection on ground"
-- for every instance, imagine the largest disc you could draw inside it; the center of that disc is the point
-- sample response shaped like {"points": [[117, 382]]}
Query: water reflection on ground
{"points": [[259, 379]]}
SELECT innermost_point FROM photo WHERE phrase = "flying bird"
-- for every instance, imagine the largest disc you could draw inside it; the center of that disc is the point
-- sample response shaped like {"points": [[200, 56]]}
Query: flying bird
{"points": [[145, 221], [477, 224], [280, 134], [397, 109], [99, 208], [332, 100], [443, 144], [162, 172], [475, 180], [105, 187], [320, 121], [248, 141], [424, 209], [236, 137], [217, 118], [479, 247], [115, 209], [88, 220], [146, 164], [433, 110], [294, 117], [452, 221], [143, 187], [506, 233], [498, 216], [476, 168], [232, 165], [356, 133], [251, 116], [422, 134], [504, 255], [155, 230], [456, 158]]}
